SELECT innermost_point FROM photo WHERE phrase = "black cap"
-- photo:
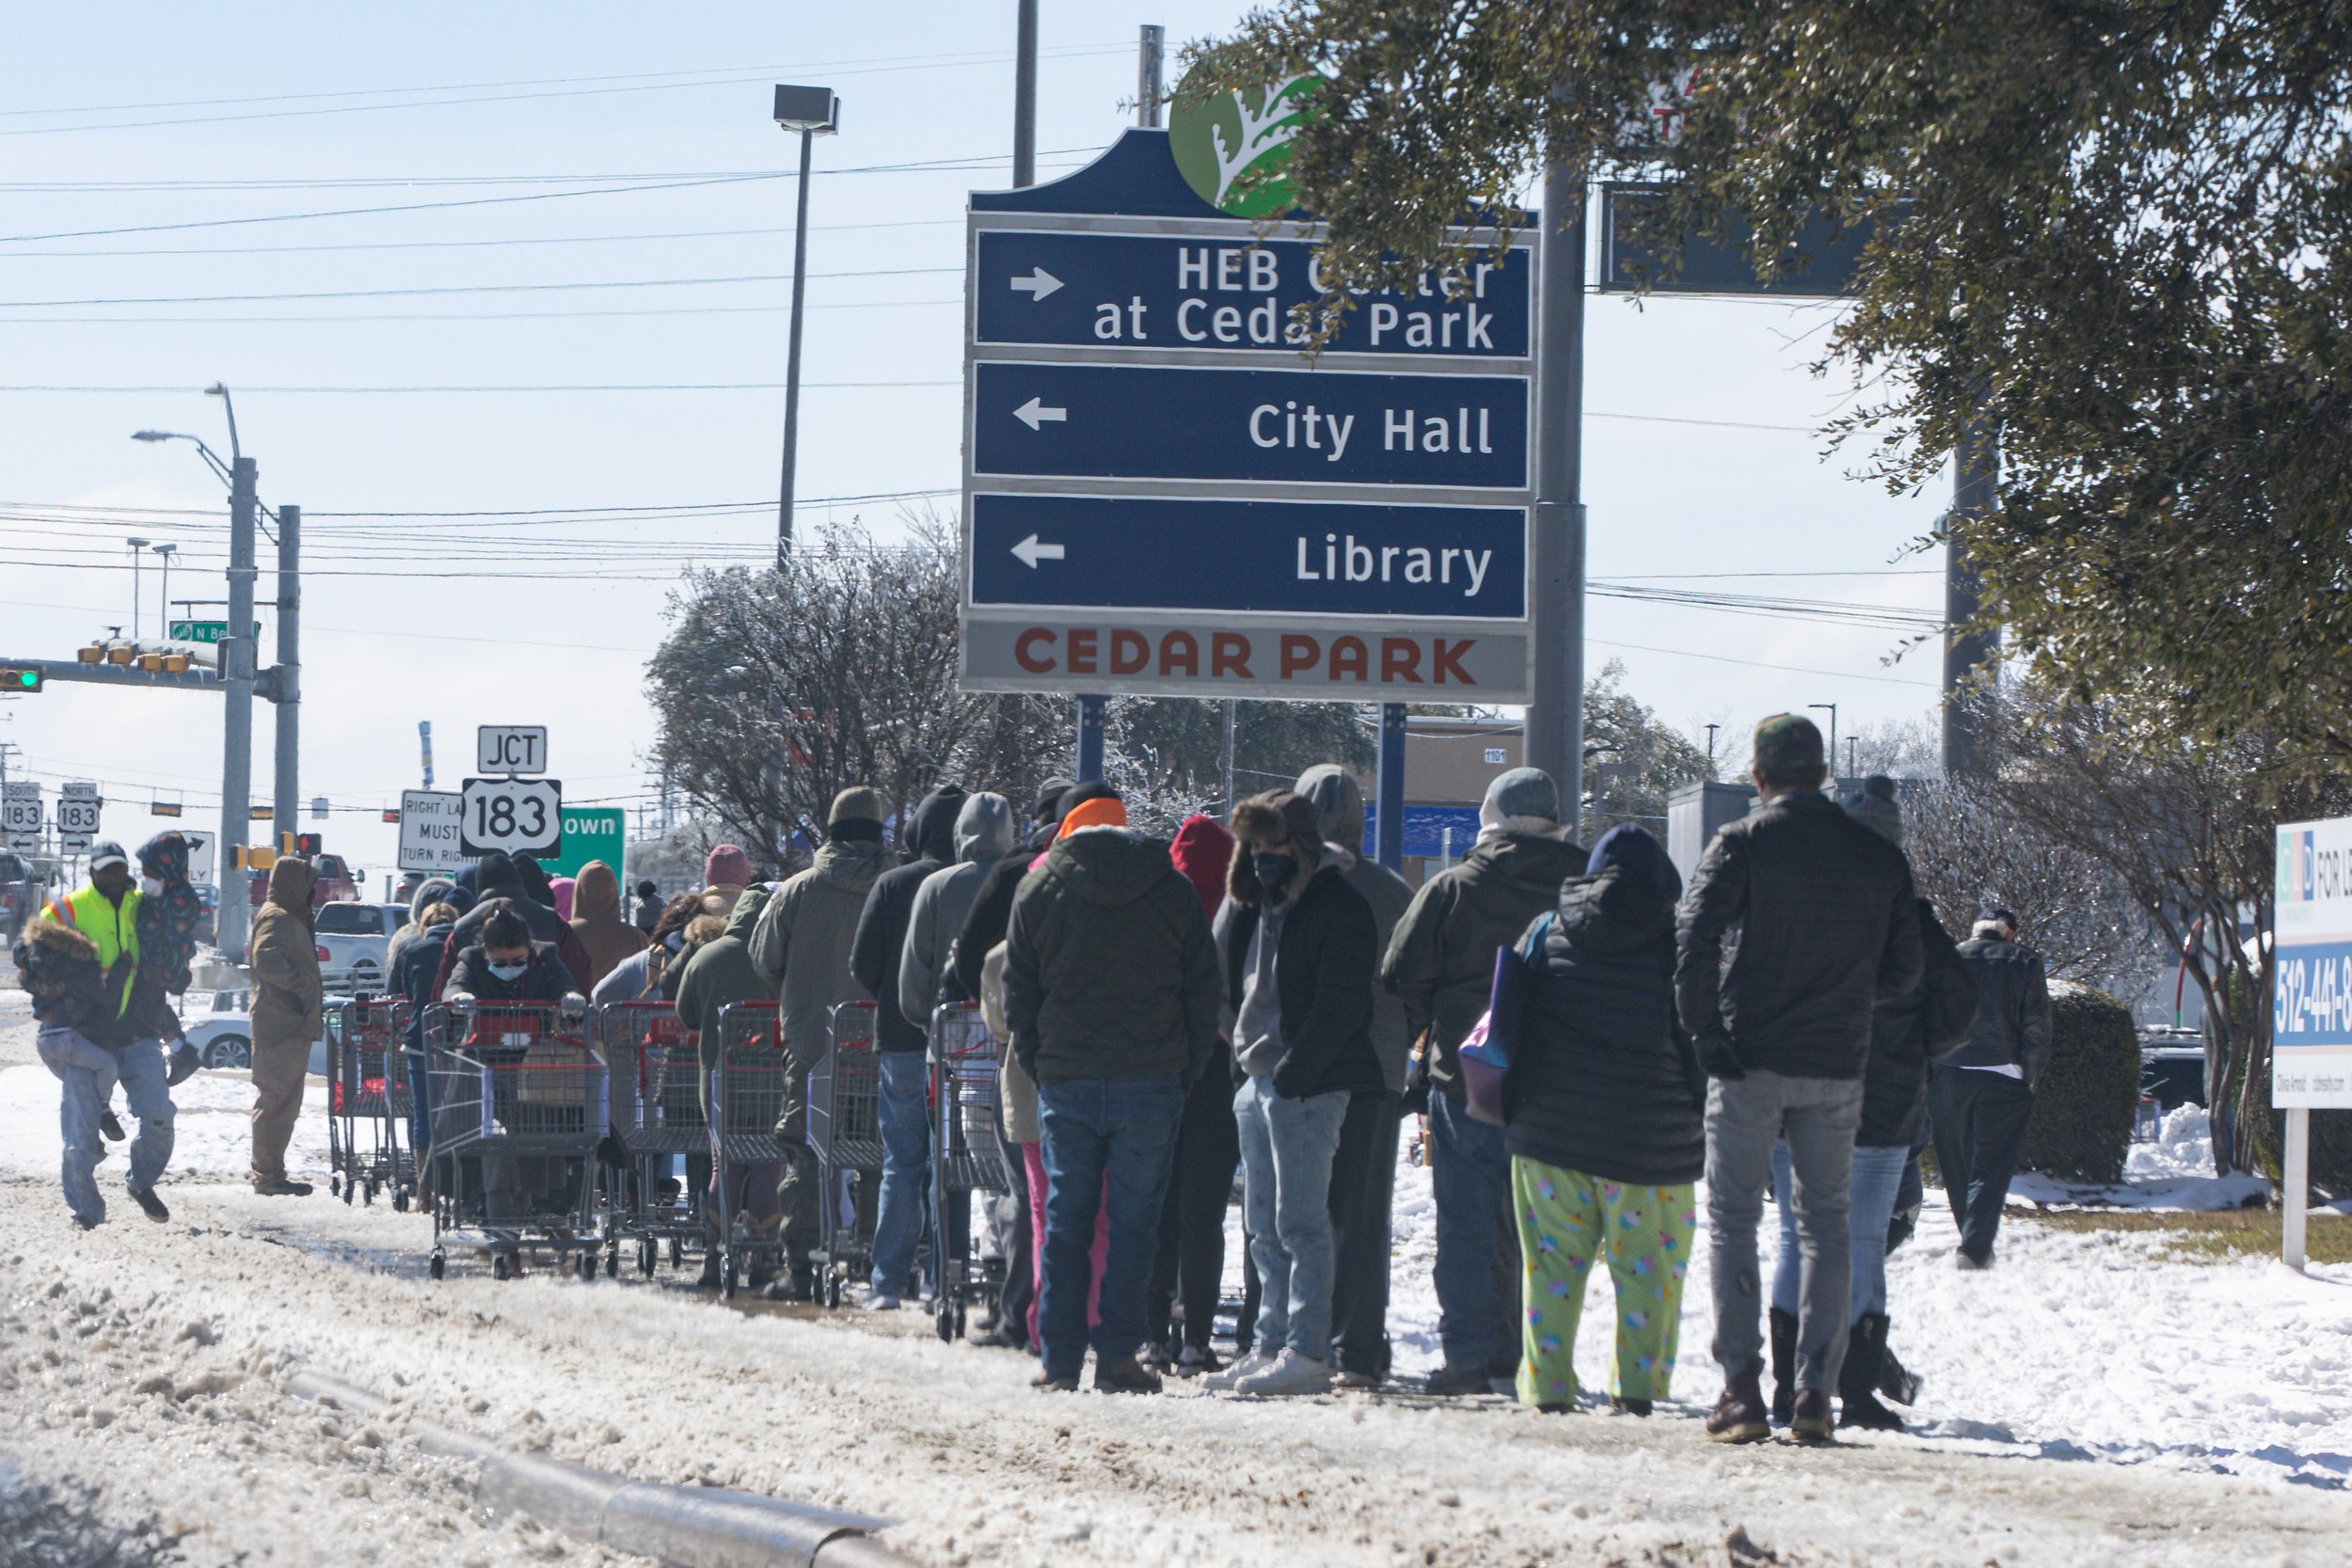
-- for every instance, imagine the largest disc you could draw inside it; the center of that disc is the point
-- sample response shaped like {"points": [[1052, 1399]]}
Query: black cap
{"points": [[108, 852], [2005, 917], [1047, 805]]}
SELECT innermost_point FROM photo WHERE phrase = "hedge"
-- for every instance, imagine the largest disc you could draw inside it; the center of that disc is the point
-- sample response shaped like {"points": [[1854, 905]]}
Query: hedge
{"points": [[2082, 1107]]}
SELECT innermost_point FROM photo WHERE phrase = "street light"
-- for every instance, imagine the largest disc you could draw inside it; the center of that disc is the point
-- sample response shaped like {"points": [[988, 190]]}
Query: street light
{"points": [[1832, 734], [163, 602], [136, 545], [813, 112]]}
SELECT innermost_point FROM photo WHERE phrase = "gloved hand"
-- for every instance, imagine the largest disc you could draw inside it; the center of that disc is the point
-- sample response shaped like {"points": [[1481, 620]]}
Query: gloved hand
{"points": [[1291, 1079], [184, 1061], [1721, 1058]]}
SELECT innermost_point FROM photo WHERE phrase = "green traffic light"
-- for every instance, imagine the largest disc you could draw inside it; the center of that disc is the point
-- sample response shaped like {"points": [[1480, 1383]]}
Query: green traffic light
{"points": [[29, 680]]}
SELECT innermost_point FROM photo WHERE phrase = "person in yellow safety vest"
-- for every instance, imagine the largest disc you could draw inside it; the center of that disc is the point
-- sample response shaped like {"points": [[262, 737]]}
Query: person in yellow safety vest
{"points": [[106, 1046]]}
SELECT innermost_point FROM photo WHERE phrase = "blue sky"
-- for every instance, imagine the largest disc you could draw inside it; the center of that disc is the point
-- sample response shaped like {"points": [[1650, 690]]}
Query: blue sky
{"points": [[119, 119]]}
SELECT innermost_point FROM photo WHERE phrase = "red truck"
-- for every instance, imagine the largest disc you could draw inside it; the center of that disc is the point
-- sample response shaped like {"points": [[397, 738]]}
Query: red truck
{"points": [[332, 881]]}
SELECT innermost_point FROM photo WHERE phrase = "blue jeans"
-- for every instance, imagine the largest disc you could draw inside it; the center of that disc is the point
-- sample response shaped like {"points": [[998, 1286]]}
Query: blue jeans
{"points": [[1122, 1129], [1287, 1146], [1471, 1180], [903, 1216], [1878, 1175], [146, 1085]]}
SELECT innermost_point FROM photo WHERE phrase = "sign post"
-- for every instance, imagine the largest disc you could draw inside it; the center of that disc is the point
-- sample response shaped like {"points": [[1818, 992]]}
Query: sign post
{"points": [[2310, 1006]]}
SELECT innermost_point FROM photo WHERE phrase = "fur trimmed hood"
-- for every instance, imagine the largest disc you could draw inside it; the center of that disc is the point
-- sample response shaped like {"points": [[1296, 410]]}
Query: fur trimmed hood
{"points": [[1277, 814], [58, 939]]}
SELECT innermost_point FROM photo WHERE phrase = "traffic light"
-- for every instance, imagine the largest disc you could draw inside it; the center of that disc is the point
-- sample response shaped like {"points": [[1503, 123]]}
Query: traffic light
{"points": [[251, 856], [309, 843], [393, 816], [16, 678]]}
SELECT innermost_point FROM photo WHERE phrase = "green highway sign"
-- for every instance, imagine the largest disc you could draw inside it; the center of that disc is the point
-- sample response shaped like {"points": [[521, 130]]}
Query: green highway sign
{"points": [[204, 631], [590, 834]]}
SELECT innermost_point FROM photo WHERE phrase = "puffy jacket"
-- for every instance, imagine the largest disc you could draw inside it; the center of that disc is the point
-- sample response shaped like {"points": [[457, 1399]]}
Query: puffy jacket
{"points": [[983, 835], [597, 919], [1323, 971], [2012, 1024], [1441, 961], [1906, 1036], [722, 974], [1602, 1080], [498, 879], [543, 979], [1339, 804], [801, 941], [286, 990], [881, 924], [1829, 931], [1108, 968], [411, 977], [59, 965]]}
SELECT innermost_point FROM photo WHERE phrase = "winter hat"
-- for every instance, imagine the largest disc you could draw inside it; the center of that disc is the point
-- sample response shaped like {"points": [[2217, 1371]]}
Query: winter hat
{"points": [[1520, 792], [1100, 811], [1633, 850], [1875, 808], [559, 896], [1278, 814], [1046, 807], [857, 803], [1787, 750], [1202, 851], [726, 865]]}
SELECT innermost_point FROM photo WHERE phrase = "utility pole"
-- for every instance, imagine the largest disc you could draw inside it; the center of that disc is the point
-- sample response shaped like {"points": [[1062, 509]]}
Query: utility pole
{"points": [[813, 112], [237, 655], [285, 687], [1149, 92], [1025, 95], [1388, 826], [1225, 758], [1091, 726], [1555, 718], [1976, 475]]}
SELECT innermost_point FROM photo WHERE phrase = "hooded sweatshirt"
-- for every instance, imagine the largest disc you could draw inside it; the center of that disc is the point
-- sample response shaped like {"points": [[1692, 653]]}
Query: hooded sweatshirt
{"points": [[1109, 971], [801, 941], [984, 834], [168, 919], [1340, 806], [286, 990], [722, 974], [498, 876], [881, 927], [432, 891], [597, 917]]}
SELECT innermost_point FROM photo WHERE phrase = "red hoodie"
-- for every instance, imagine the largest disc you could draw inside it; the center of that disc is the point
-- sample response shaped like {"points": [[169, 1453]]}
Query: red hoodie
{"points": [[1203, 850]]}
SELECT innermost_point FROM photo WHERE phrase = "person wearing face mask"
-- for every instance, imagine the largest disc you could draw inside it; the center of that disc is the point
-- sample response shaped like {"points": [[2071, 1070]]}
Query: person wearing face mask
{"points": [[1299, 946], [505, 965]]}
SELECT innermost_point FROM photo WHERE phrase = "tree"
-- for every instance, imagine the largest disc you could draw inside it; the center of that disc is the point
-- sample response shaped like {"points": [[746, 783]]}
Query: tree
{"points": [[776, 688], [1621, 734], [1166, 755], [2105, 230]]}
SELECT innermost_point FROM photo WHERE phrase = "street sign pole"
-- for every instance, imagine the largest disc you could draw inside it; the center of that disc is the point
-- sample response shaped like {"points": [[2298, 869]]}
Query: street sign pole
{"points": [[1556, 714], [237, 652], [285, 687], [1976, 473], [1389, 817]]}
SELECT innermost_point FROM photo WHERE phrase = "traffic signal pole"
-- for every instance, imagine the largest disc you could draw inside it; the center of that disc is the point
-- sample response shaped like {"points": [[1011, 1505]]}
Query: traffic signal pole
{"points": [[1555, 718], [237, 655], [286, 679]]}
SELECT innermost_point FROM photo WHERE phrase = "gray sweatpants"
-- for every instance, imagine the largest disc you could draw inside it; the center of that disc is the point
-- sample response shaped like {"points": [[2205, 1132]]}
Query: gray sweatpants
{"points": [[1746, 1117]]}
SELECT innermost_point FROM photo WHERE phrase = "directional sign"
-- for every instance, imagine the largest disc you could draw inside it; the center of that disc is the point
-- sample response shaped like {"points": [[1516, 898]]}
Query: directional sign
{"points": [[77, 813], [429, 832], [1285, 426], [590, 834], [203, 631], [19, 808], [1165, 494], [1161, 291], [1308, 558], [511, 748], [521, 817]]}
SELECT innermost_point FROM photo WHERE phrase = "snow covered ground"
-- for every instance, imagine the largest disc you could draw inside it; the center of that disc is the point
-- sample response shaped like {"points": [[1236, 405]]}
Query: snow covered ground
{"points": [[2174, 1171], [2081, 1399]]}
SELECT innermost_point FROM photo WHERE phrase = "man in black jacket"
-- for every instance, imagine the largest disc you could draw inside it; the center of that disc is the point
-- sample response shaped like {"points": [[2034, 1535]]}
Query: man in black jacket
{"points": [[1110, 990], [1828, 930], [903, 1213], [1440, 963], [1298, 946], [1981, 1096]]}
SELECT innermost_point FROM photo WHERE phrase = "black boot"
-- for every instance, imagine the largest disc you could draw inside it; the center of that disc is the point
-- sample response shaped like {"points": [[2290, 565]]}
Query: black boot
{"points": [[1857, 1381], [1896, 1381], [1784, 1365]]}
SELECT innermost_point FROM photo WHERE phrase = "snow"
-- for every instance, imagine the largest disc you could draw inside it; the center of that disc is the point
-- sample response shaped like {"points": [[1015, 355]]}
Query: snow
{"points": [[2080, 1399], [212, 1126], [2172, 1172]]}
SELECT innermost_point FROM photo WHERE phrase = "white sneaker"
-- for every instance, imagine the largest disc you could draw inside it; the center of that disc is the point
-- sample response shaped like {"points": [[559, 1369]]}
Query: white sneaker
{"points": [[877, 1302], [1293, 1373], [1256, 1361]]}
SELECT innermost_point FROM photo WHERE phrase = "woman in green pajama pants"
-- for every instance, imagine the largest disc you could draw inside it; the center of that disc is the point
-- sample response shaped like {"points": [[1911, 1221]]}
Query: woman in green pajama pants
{"points": [[1604, 1120]]}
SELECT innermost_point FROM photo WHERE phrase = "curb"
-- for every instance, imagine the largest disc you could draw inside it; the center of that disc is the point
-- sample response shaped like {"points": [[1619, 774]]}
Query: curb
{"points": [[691, 1527]]}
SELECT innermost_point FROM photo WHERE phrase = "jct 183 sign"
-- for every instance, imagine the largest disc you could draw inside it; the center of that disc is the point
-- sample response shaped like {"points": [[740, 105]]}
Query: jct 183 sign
{"points": [[520, 817]]}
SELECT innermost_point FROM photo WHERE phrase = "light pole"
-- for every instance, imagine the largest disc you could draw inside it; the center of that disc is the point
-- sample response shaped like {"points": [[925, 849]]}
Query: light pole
{"points": [[813, 112], [163, 602], [236, 667], [1832, 734], [136, 545]]}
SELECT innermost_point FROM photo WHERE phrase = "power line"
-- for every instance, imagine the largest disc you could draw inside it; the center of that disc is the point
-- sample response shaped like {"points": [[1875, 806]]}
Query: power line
{"points": [[478, 244], [589, 387], [1757, 663], [483, 316], [477, 289]]}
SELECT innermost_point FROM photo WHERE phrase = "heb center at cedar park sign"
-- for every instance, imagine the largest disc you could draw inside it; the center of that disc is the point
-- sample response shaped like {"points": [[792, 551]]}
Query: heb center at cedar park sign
{"points": [[1165, 494]]}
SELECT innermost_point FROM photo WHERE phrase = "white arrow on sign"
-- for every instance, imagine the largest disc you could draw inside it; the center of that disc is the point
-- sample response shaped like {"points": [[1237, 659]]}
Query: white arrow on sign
{"points": [[1034, 413], [1038, 284], [1029, 552]]}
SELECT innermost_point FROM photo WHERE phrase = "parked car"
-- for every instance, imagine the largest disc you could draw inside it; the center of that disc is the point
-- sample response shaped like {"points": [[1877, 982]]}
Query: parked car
{"points": [[22, 886], [223, 1037], [352, 939]]}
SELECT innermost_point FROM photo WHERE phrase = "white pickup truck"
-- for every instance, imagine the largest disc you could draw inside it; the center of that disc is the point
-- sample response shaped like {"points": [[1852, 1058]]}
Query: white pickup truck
{"points": [[352, 939]]}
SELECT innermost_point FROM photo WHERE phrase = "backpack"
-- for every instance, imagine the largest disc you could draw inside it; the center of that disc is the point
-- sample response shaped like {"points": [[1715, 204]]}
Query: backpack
{"points": [[1487, 1051]]}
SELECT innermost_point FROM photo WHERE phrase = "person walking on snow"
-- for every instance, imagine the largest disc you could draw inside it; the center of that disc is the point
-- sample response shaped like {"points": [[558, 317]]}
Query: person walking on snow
{"points": [[1982, 1097], [77, 957], [285, 1019], [1111, 991], [876, 951], [1603, 1109], [1440, 963], [1298, 963], [1829, 933]]}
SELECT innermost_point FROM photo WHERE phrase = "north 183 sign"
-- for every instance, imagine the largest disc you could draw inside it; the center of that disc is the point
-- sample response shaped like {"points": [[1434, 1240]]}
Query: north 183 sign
{"points": [[518, 817]]}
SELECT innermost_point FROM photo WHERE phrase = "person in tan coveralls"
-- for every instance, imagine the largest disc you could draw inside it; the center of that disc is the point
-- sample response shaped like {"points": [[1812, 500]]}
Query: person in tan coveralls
{"points": [[286, 994]]}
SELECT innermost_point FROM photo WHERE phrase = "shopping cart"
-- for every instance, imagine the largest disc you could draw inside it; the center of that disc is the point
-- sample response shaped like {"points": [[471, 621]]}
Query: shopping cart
{"points": [[519, 1104], [968, 1156], [658, 1116], [752, 1092], [367, 1099], [845, 1135]]}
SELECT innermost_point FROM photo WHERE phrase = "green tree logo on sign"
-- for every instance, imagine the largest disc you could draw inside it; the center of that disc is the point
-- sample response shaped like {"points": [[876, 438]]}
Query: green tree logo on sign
{"points": [[1233, 146]]}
